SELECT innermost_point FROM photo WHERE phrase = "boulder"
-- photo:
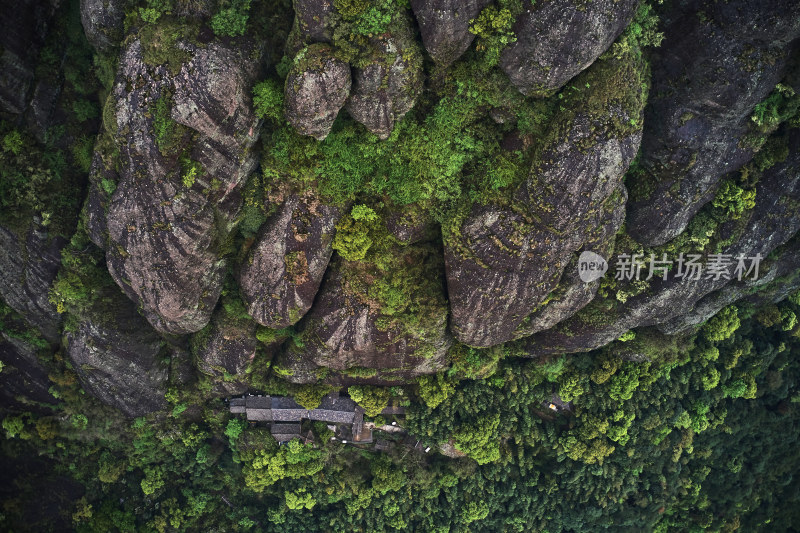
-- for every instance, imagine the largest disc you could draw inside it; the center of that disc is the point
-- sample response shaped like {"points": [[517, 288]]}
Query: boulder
{"points": [[316, 89], [444, 26], [284, 268], [383, 326], [23, 380], [120, 359], [558, 39], [388, 87], [313, 23], [225, 352], [25, 26], [28, 267], [102, 22], [769, 225]]}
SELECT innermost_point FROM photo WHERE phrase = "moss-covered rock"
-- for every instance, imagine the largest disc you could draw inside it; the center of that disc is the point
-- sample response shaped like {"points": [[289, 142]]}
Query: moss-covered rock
{"points": [[503, 260], [284, 268], [168, 235], [713, 72], [444, 26], [387, 87], [557, 39], [316, 89]]}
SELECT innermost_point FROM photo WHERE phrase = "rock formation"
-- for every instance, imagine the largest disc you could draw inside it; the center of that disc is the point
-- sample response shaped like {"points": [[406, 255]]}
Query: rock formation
{"points": [[283, 272], [710, 74], [558, 39], [502, 262], [387, 88], [185, 132], [120, 359], [316, 89], [444, 26]]}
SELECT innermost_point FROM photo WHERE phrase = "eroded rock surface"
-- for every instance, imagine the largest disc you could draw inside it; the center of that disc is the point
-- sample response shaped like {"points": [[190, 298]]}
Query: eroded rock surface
{"points": [[770, 224], [504, 261], [102, 22], [28, 268], [312, 24], [354, 331], [226, 351], [316, 89], [284, 269], [710, 73], [444, 25], [558, 39], [24, 378], [385, 90], [25, 26], [185, 143], [120, 359]]}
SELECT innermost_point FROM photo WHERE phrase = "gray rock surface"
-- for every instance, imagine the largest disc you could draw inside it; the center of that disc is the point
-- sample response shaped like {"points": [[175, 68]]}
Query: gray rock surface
{"points": [[504, 260], [444, 26], [710, 73], [349, 327], [102, 22], [312, 24], [386, 89], [770, 224], [166, 234], [24, 378], [28, 267], [557, 39], [226, 352], [25, 26], [284, 269], [316, 89], [120, 359]]}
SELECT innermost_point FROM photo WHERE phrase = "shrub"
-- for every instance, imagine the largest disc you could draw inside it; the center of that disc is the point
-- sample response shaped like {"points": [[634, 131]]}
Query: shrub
{"points": [[84, 110], [723, 325], [372, 399], [13, 142], [493, 29], [268, 100], [310, 396], [435, 389], [733, 200], [168, 133], [154, 10], [352, 239], [231, 21]]}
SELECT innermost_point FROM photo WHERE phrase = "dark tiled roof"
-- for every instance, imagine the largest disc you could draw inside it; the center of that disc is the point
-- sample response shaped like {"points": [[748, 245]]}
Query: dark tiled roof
{"points": [[284, 428], [258, 402], [284, 402], [337, 404], [285, 437], [237, 405], [260, 415], [289, 415], [338, 417]]}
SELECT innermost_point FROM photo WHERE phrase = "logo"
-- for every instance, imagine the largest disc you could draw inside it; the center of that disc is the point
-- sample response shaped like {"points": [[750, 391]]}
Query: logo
{"points": [[591, 267]]}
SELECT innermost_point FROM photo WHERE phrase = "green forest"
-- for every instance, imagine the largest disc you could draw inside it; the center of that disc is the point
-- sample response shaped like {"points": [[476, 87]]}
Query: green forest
{"points": [[385, 201]]}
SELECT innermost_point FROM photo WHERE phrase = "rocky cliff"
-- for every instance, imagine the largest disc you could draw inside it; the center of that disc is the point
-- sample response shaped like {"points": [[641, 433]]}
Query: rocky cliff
{"points": [[368, 191]]}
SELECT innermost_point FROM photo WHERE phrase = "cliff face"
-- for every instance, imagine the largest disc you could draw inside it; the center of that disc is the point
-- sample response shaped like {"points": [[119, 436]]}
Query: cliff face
{"points": [[708, 77], [185, 132], [408, 184]]}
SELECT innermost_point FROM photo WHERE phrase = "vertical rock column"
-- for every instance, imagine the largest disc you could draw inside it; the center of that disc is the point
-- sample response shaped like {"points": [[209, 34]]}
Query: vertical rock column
{"points": [[185, 132]]}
